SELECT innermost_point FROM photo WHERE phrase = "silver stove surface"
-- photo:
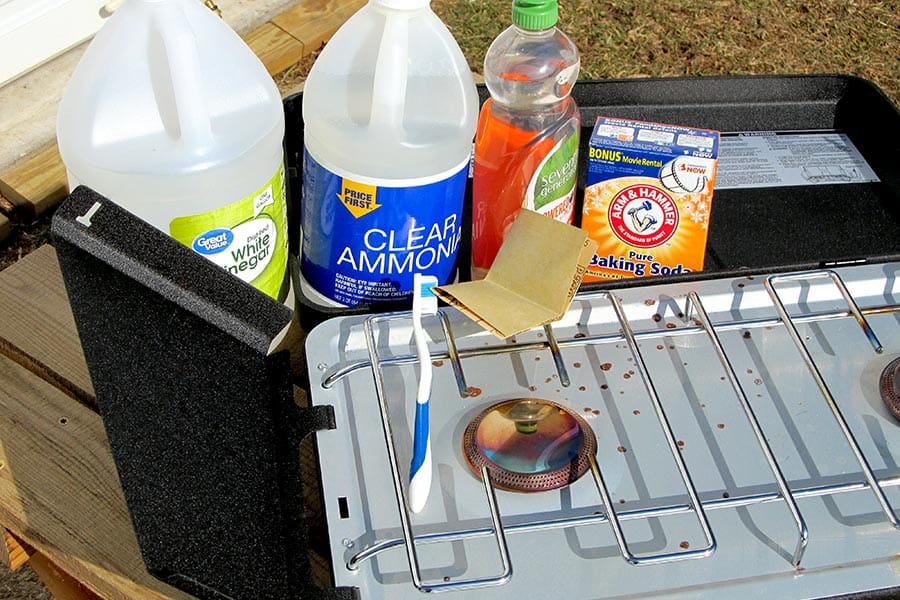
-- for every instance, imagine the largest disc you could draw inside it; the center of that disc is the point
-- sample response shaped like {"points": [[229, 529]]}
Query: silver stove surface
{"points": [[683, 501]]}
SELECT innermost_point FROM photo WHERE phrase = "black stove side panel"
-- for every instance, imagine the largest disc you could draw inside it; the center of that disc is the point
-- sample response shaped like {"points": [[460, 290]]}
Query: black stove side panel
{"points": [[200, 418], [752, 230]]}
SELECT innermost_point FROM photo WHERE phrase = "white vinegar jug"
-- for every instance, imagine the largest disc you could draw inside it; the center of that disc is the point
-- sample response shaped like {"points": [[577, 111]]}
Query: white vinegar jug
{"points": [[170, 115], [389, 112]]}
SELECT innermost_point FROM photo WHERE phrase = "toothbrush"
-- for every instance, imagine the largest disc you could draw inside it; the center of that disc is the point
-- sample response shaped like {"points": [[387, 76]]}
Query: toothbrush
{"points": [[420, 471]]}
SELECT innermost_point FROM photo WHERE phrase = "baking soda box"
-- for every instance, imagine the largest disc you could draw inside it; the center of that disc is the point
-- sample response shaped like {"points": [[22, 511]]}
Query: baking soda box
{"points": [[647, 198]]}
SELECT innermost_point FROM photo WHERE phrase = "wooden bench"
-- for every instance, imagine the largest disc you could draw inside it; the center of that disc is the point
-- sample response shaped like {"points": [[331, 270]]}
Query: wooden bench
{"points": [[61, 504], [62, 510]]}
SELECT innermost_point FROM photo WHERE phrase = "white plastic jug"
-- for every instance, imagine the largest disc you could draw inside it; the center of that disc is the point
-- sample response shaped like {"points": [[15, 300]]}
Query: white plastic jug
{"points": [[389, 111], [172, 116]]}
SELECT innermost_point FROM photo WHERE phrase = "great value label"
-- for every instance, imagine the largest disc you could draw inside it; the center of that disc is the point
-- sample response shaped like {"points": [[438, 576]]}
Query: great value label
{"points": [[247, 238]]}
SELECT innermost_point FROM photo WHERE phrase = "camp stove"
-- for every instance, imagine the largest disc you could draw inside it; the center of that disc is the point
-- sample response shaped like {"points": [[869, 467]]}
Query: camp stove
{"points": [[742, 444], [714, 432]]}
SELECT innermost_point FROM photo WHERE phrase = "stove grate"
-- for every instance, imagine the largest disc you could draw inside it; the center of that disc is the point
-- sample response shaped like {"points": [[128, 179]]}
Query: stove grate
{"points": [[695, 320]]}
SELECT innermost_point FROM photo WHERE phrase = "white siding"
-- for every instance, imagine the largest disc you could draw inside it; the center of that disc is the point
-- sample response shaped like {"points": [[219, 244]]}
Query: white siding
{"points": [[34, 31]]}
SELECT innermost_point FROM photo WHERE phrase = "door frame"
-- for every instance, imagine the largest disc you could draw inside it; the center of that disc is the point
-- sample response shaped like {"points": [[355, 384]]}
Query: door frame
{"points": [[35, 31]]}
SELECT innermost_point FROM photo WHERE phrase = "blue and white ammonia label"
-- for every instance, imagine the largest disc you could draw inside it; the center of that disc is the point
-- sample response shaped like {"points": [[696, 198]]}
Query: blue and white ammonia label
{"points": [[364, 241]]}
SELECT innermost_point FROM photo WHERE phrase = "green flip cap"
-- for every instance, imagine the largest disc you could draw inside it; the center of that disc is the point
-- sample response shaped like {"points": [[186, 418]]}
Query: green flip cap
{"points": [[535, 14]]}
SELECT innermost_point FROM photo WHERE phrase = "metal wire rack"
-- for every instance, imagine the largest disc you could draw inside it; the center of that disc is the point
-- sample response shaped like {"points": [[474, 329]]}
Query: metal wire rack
{"points": [[695, 321]]}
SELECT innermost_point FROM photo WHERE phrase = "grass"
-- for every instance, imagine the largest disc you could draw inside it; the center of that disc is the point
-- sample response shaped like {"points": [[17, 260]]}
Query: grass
{"points": [[664, 38], [624, 39]]}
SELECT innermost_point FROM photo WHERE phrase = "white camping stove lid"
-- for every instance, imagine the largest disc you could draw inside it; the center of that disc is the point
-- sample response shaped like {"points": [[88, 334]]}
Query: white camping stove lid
{"points": [[560, 542]]}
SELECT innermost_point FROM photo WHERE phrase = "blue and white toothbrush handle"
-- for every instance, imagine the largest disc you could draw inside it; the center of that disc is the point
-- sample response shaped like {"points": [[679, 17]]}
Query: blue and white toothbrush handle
{"points": [[420, 470]]}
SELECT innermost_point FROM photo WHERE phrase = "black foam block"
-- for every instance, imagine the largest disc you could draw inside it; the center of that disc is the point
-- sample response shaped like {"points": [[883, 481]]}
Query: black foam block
{"points": [[200, 417]]}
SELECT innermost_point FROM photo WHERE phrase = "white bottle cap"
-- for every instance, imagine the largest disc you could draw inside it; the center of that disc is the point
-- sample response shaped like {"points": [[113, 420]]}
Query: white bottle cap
{"points": [[403, 4]]}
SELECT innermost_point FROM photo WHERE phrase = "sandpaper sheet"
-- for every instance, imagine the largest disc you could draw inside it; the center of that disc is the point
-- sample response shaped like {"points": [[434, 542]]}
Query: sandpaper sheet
{"points": [[532, 281]]}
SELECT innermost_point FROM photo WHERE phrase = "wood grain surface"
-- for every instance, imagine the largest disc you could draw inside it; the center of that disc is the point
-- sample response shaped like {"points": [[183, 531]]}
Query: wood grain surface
{"points": [[36, 185], [5, 227], [37, 329], [276, 48], [59, 490], [14, 552], [312, 22]]}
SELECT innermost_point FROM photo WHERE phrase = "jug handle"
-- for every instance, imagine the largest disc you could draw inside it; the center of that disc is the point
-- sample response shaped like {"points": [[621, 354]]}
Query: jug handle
{"points": [[183, 61], [391, 71]]}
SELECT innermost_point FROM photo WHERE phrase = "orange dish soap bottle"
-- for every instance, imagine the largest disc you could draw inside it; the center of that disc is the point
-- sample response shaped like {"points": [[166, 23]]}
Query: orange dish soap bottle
{"points": [[526, 144]]}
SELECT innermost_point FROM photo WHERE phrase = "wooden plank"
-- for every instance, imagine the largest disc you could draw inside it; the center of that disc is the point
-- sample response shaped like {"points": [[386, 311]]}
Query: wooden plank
{"points": [[276, 48], [5, 227], [14, 552], [59, 491], [36, 185], [55, 466], [37, 329], [60, 584], [314, 21]]}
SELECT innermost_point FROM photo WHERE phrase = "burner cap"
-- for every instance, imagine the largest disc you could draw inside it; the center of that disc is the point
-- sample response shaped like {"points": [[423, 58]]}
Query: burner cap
{"points": [[889, 386], [529, 445]]}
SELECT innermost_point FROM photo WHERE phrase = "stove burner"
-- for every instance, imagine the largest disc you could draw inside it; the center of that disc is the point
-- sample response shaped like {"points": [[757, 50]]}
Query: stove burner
{"points": [[529, 445], [889, 385]]}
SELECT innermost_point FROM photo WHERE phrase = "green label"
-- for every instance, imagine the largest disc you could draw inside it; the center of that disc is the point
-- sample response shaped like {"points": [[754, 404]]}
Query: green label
{"points": [[247, 238], [552, 189]]}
